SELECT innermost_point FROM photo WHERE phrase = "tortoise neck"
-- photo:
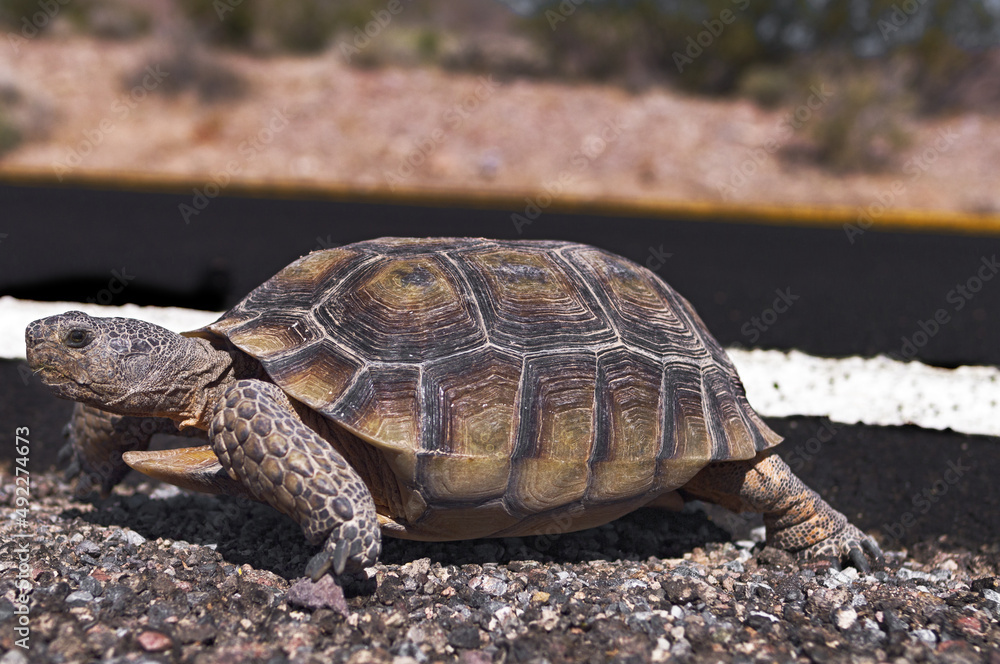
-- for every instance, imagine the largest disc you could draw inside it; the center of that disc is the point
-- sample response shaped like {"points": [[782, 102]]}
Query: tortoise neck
{"points": [[217, 370]]}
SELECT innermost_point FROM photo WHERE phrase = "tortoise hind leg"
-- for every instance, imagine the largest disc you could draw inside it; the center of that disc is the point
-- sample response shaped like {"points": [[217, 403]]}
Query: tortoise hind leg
{"points": [[261, 442], [797, 519]]}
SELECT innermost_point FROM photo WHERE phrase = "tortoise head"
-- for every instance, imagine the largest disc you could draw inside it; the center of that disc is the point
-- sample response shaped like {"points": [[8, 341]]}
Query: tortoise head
{"points": [[122, 365]]}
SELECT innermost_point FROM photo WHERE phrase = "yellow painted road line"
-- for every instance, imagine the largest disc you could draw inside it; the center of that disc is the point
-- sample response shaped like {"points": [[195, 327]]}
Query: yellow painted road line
{"points": [[936, 221]]}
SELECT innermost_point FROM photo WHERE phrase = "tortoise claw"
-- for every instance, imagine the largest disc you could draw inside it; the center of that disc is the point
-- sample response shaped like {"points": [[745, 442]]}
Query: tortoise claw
{"points": [[329, 561], [319, 565], [857, 558], [340, 555], [872, 549]]}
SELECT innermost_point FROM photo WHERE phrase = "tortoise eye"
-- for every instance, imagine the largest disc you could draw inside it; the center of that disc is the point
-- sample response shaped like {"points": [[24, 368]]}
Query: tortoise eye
{"points": [[78, 338]]}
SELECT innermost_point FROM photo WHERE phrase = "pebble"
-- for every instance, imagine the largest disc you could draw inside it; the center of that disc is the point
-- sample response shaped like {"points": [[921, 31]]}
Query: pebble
{"points": [[466, 636], [91, 585], [845, 618], [14, 656], [925, 635], [905, 573], [489, 585], [153, 641], [79, 598]]}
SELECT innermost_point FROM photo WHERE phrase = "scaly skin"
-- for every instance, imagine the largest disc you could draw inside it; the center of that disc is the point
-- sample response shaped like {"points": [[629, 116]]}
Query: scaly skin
{"points": [[138, 371], [96, 439], [134, 379], [796, 518], [287, 465]]}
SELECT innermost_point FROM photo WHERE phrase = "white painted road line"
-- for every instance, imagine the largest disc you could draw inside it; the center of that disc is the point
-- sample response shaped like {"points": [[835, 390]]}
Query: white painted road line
{"points": [[876, 391]]}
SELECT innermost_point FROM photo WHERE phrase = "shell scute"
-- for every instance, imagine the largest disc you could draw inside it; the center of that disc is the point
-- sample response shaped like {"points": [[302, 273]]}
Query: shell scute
{"points": [[643, 310], [403, 308], [531, 301], [557, 432], [470, 416], [629, 424]]}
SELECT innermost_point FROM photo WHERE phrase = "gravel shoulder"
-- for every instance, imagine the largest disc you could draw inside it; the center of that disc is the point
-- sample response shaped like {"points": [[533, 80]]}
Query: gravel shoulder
{"points": [[157, 574]]}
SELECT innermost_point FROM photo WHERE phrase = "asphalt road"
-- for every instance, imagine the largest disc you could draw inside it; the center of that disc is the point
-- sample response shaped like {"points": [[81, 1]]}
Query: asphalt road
{"points": [[930, 296]]}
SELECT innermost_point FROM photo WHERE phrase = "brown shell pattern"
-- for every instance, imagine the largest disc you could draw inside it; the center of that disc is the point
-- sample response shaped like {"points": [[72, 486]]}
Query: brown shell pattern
{"points": [[528, 375]]}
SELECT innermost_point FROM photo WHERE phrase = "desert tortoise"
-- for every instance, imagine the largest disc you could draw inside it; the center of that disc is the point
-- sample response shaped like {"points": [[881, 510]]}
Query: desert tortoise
{"points": [[438, 389]]}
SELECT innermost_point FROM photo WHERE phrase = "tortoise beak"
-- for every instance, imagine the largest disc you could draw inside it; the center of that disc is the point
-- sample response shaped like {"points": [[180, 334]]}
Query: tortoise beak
{"points": [[194, 468]]}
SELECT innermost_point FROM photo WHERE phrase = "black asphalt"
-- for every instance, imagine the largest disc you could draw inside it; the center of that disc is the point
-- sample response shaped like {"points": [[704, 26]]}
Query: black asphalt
{"points": [[932, 296]]}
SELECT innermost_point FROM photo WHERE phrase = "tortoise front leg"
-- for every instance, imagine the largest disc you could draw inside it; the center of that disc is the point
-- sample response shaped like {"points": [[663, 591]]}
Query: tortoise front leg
{"points": [[261, 442], [795, 516], [96, 440]]}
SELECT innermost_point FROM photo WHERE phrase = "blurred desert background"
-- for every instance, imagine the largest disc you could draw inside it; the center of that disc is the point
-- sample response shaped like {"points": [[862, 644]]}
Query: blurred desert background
{"points": [[860, 105]]}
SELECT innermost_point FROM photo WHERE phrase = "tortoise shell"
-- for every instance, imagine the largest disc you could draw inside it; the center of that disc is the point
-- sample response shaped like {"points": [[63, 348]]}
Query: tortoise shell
{"points": [[511, 386]]}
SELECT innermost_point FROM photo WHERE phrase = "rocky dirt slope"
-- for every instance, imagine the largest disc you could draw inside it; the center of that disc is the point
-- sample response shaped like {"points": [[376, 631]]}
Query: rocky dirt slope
{"points": [[158, 107]]}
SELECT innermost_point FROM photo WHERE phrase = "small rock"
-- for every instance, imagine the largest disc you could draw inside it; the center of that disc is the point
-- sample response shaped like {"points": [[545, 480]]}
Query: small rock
{"points": [[324, 594], [472, 657], [760, 620], [91, 585], [845, 618], [152, 641], [985, 583], [893, 623], [873, 629], [661, 652], [969, 624], [925, 635], [416, 567], [79, 598], [466, 636], [6, 609], [991, 596], [735, 565], [132, 537], [905, 573], [489, 585], [14, 656]]}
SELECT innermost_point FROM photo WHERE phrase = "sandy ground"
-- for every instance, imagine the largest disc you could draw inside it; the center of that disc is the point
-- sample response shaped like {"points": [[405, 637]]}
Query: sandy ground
{"points": [[319, 120]]}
